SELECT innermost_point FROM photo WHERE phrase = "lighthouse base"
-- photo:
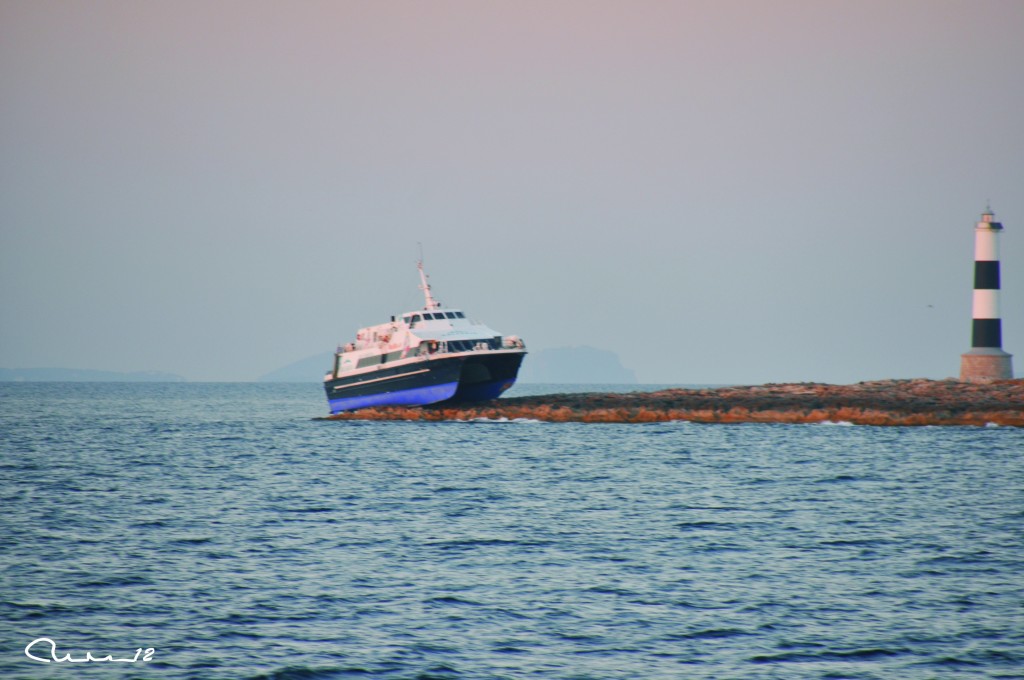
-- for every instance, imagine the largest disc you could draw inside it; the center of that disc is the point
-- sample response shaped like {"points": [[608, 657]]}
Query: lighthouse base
{"points": [[985, 364]]}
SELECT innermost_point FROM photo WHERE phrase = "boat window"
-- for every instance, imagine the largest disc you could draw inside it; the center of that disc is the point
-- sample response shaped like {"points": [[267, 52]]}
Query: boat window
{"points": [[460, 315], [450, 315], [413, 320], [368, 361]]}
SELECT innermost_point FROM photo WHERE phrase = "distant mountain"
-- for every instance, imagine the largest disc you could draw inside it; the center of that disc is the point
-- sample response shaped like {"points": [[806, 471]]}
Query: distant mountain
{"points": [[581, 364], [83, 375], [310, 369]]}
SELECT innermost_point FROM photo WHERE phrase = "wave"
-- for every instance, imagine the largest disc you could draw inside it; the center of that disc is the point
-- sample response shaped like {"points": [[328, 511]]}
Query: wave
{"points": [[870, 654], [710, 634], [687, 526], [313, 673]]}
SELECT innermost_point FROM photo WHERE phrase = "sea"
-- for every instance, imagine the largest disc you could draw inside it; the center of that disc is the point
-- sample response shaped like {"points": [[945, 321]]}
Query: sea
{"points": [[226, 531]]}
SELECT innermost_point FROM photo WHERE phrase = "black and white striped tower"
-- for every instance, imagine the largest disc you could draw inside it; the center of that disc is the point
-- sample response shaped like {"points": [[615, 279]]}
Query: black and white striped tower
{"points": [[986, 361]]}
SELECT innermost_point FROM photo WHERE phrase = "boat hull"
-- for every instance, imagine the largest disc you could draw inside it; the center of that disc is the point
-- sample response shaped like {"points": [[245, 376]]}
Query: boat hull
{"points": [[486, 377], [471, 377]]}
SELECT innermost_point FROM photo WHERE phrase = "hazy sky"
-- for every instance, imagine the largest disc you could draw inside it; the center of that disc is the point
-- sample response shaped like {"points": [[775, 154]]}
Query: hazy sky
{"points": [[720, 192]]}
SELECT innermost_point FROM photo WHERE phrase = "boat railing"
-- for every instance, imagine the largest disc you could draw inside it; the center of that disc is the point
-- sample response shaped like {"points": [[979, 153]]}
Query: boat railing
{"points": [[430, 347], [491, 344]]}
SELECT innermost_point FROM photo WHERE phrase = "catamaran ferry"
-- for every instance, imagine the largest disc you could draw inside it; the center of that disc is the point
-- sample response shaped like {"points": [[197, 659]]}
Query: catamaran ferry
{"points": [[431, 356]]}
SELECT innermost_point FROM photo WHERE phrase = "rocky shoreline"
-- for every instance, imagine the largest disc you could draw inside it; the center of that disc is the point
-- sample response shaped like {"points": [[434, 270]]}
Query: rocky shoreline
{"points": [[881, 402]]}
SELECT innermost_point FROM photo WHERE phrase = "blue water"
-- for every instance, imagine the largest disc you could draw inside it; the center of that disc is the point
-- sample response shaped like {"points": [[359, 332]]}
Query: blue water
{"points": [[226, 529]]}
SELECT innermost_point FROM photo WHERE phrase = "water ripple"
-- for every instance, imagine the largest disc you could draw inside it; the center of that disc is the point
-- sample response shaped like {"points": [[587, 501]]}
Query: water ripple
{"points": [[221, 526]]}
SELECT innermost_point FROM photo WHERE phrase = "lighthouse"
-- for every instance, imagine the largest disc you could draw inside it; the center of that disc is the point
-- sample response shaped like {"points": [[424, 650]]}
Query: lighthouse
{"points": [[986, 361]]}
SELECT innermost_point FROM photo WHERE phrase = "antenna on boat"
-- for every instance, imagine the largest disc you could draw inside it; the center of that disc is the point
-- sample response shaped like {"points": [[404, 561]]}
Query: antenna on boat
{"points": [[431, 303]]}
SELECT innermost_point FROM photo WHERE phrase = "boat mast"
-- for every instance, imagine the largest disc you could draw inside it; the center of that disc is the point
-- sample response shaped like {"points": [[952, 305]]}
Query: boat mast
{"points": [[431, 303]]}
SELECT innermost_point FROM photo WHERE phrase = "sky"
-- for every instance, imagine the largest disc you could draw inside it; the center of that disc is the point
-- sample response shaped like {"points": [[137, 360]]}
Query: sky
{"points": [[717, 191]]}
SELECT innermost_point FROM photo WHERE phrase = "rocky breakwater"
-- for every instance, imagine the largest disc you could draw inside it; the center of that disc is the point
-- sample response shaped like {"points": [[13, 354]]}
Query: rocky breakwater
{"points": [[883, 402]]}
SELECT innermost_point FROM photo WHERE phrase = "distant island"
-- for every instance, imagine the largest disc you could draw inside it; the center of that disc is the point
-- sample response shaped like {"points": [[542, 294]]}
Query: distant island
{"points": [[575, 365], [882, 402], [311, 369], [83, 375]]}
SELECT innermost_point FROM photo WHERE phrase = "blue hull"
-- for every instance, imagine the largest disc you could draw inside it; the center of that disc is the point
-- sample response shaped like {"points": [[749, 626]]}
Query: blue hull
{"points": [[460, 378], [485, 391], [416, 396]]}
